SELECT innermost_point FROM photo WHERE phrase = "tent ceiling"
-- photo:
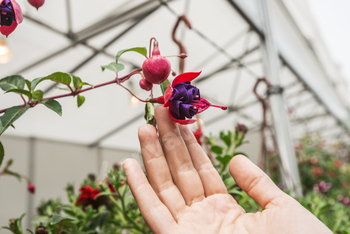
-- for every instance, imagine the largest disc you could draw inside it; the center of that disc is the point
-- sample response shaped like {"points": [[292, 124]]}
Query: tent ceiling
{"points": [[221, 44]]}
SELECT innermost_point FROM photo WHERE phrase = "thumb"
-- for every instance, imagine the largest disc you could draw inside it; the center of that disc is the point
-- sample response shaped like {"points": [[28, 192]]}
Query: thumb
{"points": [[254, 181]]}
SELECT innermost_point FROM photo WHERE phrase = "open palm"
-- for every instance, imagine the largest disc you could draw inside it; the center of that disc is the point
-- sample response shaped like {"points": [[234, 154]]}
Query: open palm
{"points": [[185, 194]]}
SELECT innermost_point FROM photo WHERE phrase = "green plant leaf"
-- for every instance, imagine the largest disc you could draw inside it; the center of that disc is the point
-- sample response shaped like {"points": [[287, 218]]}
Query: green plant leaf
{"points": [[20, 91], [240, 153], [15, 174], [80, 100], [29, 231], [140, 50], [216, 149], [10, 116], [9, 163], [116, 67], [227, 138], [37, 95], [12, 82], [163, 86], [76, 82], [53, 105], [60, 77], [224, 159], [2, 153], [84, 83], [29, 84], [56, 218], [149, 113]]}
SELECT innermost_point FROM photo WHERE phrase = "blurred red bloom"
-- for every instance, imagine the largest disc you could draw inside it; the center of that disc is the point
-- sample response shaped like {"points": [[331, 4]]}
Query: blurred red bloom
{"points": [[316, 171], [87, 196], [31, 188], [198, 134], [337, 163]]}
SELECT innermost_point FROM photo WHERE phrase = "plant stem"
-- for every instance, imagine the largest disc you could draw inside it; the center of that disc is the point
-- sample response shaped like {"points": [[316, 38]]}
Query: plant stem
{"points": [[59, 228], [74, 93]]}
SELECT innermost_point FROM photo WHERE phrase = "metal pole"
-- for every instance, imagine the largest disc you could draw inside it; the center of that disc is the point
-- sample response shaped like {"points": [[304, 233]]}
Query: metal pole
{"points": [[289, 166]]}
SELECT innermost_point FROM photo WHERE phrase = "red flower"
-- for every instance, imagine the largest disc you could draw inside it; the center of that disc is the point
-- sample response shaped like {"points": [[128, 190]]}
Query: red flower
{"points": [[183, 99], [317, 171], [31, 188], [10, 16], [36, 3], [198, 134], [337, 163], [87, 195]]}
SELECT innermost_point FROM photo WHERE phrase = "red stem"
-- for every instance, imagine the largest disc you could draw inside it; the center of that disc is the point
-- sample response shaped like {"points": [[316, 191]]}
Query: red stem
{"points": [[74, 93]]}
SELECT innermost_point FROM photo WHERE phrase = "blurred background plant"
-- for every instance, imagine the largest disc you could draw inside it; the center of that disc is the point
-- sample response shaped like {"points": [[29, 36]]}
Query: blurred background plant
{"points": [[108, 206]]}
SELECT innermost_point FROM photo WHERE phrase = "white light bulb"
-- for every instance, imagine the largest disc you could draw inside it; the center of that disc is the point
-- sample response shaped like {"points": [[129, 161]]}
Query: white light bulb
{"points": [[5, 53]]}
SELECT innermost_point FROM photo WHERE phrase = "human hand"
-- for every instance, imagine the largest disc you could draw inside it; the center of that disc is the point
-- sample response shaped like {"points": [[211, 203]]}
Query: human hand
{"points": [[185, 194]]}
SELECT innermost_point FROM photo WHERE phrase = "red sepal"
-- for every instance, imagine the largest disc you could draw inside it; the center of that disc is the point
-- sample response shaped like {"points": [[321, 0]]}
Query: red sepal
{"points": [[187, 76], [181, 121], [167, 95], [7, 30]]}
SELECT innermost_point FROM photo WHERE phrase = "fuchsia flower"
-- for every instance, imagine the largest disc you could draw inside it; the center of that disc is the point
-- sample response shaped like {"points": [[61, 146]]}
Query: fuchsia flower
{"points": [[31, 188], [184, 100], [36, 3], [156, 69], [10, 16], [322, 187]]}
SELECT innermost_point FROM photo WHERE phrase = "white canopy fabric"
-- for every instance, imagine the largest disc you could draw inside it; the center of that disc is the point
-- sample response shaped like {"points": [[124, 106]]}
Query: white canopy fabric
{"points": [[81, 35]]}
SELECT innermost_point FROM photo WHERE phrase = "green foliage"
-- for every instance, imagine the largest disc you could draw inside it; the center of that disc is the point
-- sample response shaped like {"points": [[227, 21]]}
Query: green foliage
{"points": [[53, 105], [140, 50], [15, 225], [11, 115], [116, 67], [2, 153], [163, 86], [149, 114], [12, 82], [80, 100]]}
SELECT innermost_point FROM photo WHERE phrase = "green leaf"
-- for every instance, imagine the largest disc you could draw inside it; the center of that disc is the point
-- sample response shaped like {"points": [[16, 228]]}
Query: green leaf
{"points": [[15, 174], [224, 159], [10, 116], [12, 82], [20, 91], [9, 163], [37, 95], [56, 218], [149, 113], [216, 149], [53, 105], [141, 50], [80, 100], [76, 82], [116, 67], [60, 77], [84, 83], [227, 138], [2, 153], [29, 84], [240, 153], [30, 231], [163, 86]]}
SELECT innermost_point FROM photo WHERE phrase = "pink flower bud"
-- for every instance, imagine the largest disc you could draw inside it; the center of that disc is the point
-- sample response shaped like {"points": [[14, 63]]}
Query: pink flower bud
{"points": [[36, 3], [31, 188], [183, 56], [144, 84], [156, 69]]}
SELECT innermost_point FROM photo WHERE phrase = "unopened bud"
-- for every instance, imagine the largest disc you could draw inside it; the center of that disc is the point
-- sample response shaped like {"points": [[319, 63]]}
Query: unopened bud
{"points": [[116, 166], [92, 177], [31, 188], [182, 56], [41, 230]]}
